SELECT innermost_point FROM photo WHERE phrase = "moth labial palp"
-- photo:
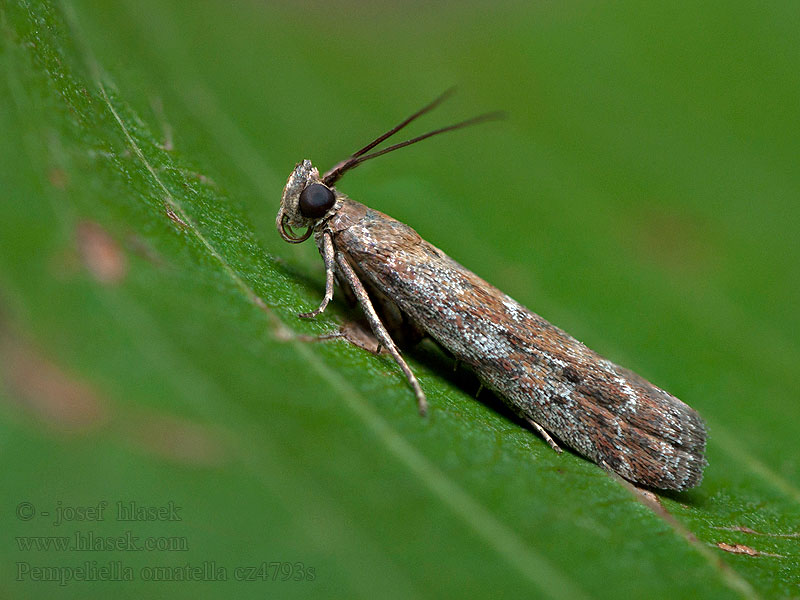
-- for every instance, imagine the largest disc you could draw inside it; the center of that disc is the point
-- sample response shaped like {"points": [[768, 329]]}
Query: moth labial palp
{"points": [[566, 391]]}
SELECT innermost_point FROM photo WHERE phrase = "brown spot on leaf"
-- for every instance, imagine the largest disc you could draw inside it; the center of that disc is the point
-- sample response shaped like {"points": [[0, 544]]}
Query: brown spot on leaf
{"points": [[57, 178], [745, 529], [675, 241], [177, 439], [742, 549], [173, 216], [204, 179], [100, 253], [651, 497], [282, 333], [50, 393], [140, 247], [158, 108], [260, 303]]}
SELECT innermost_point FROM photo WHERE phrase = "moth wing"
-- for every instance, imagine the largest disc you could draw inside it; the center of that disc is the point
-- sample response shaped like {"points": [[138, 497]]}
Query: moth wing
{"points": [[604, 411]]}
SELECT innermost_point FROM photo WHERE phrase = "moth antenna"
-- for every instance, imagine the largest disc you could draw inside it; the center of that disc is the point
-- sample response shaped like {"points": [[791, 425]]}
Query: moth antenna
{"points": [[492, 116], [398, 127], [334, 174]]}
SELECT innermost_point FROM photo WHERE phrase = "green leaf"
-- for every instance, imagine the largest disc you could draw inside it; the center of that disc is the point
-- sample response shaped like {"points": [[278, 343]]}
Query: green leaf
{"points": [[642, 195]]}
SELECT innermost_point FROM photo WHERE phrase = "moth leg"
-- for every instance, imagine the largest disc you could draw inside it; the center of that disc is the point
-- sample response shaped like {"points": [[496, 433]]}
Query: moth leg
{"points": [[299, 337], [327, 256], [352, 332], [379, 330], [544, 434], [360, 335]]}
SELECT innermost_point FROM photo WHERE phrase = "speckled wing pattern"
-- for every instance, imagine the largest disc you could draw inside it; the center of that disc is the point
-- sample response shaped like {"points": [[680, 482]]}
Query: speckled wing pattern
{"points": [[601, 410]]}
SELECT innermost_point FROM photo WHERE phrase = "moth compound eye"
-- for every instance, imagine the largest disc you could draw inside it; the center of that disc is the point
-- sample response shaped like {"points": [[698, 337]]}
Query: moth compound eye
{"points": [[315, 201]]}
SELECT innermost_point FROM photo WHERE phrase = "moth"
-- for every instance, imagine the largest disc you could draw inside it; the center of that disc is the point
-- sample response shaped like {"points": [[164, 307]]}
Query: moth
{"points": [[566, 391]]}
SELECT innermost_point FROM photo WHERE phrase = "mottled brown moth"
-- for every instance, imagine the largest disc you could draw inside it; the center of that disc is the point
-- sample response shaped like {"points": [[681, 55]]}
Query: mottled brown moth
{"points": [[605, 412]]}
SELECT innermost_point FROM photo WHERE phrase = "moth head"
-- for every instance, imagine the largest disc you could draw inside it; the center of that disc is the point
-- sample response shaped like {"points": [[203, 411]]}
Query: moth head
{"points": [[306, 202], [309, 200]]}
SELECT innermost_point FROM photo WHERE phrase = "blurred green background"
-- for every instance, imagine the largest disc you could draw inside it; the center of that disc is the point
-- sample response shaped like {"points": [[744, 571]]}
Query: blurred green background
{"points": [[643, 195]]}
